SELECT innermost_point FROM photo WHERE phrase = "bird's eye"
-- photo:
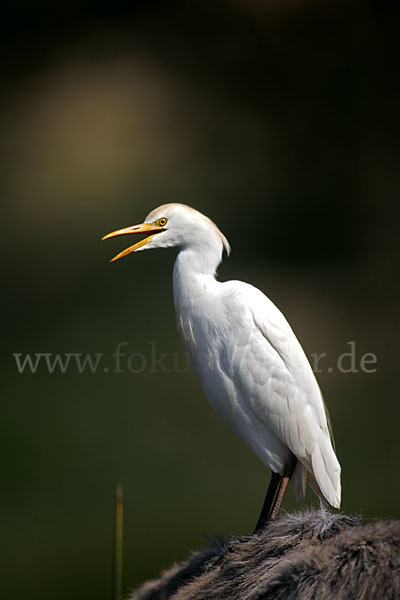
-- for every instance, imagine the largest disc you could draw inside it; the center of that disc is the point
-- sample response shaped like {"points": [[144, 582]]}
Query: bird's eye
{"points": [[161, 222]]}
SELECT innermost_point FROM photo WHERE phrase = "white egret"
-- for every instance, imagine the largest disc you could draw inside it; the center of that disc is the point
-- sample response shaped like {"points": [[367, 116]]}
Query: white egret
{"points": [[248, 360]]}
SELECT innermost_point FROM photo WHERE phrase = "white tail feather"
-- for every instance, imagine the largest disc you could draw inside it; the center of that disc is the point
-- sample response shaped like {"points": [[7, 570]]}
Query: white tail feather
{"points": [[326, 470]]}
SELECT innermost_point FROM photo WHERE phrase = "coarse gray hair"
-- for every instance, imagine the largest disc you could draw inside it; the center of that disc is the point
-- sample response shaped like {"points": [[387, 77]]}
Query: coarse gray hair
{"points": [[312, 555]]}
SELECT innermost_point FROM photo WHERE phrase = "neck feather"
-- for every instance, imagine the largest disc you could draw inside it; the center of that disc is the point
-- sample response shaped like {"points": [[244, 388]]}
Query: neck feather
{"points": [[199, 260]]}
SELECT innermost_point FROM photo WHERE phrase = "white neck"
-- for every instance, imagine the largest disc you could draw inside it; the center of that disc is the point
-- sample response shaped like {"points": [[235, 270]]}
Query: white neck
{"points": [[193, 268]]}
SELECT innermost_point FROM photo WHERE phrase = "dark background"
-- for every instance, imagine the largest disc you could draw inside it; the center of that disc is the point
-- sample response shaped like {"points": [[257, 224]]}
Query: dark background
{"points": [[279, 120]]}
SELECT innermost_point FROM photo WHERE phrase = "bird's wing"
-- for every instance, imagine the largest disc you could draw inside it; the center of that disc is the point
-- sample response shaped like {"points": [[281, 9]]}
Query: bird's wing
{"points": [[274, 377]]}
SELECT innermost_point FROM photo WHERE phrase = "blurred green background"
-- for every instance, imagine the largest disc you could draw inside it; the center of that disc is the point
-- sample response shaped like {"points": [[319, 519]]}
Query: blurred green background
{"points": [[279, 120]]}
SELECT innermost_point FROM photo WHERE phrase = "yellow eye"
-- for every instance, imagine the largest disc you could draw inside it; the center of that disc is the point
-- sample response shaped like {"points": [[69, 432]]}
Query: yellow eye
{"points": [[161, 222]]}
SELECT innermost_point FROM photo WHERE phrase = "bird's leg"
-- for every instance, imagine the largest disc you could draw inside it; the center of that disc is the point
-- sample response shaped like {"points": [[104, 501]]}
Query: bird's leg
{"points": [[279, 497], [273, 499], [270, 499]]}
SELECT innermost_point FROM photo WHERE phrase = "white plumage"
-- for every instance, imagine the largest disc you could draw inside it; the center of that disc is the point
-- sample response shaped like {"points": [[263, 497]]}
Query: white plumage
{"points": [[245, 354]]}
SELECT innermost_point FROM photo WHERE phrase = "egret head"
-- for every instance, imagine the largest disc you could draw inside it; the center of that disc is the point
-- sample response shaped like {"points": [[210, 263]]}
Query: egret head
{"points": [[174, 225]]}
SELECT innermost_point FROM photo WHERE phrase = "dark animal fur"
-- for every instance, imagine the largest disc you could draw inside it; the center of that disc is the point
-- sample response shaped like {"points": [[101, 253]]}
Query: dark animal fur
{"points": [[306, 556]]}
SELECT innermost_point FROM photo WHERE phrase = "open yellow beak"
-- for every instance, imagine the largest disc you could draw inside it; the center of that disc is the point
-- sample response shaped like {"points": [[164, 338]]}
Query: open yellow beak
{"points": [[149, 228]]}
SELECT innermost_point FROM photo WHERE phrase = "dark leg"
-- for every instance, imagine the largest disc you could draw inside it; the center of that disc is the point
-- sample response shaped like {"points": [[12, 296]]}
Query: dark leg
{"points": [[273, 499], [269, 502]]}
